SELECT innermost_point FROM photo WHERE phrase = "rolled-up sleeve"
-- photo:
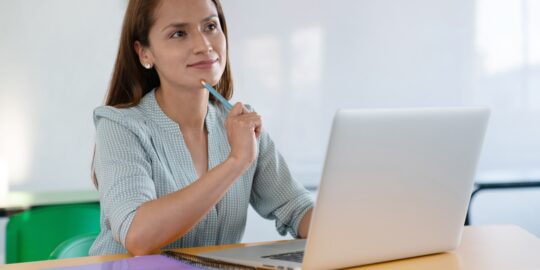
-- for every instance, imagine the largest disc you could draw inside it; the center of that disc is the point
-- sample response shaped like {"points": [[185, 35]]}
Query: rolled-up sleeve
{"points": [[275, 194], [124, 175]]}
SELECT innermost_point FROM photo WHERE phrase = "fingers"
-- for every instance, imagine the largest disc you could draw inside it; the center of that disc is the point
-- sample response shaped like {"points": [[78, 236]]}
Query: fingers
{"points": [[252, 118], [237, 109], [249, 116], [241, 115]]}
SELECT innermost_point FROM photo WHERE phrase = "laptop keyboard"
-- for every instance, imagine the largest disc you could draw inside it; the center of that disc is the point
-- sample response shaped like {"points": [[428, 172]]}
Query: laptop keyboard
{"points": [[296, 256]]}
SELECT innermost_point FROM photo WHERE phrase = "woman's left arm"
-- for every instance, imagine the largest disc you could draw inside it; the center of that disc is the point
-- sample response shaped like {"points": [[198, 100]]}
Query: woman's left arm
{"points": [[277, 195]]}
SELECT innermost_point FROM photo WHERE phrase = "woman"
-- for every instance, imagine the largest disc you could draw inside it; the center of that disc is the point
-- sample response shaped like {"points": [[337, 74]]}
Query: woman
{"points": [[173, 167]]}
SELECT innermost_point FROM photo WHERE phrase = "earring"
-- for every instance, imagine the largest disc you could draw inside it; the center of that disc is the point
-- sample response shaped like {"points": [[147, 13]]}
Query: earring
{"points": [[147, 65]]}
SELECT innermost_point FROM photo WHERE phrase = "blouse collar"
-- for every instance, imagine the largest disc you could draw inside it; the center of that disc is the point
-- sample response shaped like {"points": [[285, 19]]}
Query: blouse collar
{"points": [[152, 108]]}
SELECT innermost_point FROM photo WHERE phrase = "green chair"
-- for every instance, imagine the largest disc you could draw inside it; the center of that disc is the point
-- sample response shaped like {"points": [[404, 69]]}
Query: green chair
{"points": [[76, 246], [33, 234]]}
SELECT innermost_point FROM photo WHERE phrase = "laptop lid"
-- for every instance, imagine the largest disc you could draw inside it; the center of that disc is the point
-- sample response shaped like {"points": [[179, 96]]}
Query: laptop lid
{"points": [[396, 183]]}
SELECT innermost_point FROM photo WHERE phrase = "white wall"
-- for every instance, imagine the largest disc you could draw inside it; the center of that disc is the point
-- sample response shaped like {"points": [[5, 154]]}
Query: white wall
{"points": [[295, 62], [57, 58]]}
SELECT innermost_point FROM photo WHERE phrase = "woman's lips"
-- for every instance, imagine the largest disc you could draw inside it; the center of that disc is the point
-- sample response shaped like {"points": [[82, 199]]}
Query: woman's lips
{"points": [[203, 64]]}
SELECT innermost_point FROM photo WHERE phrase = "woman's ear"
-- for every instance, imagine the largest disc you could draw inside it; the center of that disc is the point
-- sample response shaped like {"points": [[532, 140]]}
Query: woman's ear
{"points": [[145, 56]]}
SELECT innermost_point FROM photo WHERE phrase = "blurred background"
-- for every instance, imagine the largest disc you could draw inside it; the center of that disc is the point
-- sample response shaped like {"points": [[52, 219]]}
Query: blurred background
{"points": [[296, 62]]}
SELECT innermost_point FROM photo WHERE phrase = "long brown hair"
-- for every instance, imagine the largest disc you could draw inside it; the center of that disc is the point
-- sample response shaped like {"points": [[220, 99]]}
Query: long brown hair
{"points": [[130, 80]]}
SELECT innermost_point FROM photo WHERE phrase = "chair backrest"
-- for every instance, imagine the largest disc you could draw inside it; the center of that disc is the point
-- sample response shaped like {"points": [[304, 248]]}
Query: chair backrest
{"points": [[76, 246], [33, 234]]}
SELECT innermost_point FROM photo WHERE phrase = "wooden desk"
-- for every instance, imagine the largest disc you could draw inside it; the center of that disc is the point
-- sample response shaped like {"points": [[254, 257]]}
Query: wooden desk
{"points": [[20, 201], [483, 247]]}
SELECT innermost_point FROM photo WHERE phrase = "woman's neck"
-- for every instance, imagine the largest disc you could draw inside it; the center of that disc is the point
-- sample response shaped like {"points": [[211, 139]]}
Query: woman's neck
{"points": [[187, 107]]}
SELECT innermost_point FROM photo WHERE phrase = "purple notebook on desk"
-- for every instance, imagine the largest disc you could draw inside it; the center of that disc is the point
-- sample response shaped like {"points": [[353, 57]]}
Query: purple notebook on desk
{"points": [[137, 263]]}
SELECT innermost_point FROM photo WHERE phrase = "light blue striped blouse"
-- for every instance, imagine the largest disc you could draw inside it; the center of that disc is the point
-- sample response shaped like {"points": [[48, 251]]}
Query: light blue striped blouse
{"points": [[141, 156]]}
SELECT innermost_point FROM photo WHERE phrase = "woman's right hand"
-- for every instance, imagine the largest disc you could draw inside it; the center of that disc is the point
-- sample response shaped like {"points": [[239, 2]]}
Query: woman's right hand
{"points": [[243, 128]]}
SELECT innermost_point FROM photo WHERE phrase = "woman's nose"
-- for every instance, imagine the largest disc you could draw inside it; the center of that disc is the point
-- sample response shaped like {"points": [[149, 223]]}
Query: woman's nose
{"points": [[202, 44]]}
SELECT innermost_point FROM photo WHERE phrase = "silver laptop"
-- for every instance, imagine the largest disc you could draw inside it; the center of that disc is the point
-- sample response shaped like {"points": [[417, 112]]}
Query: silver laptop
{"points": [[396, 184]]}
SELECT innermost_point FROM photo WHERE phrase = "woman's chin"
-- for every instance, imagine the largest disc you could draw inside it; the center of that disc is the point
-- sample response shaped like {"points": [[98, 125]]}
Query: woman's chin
{"points": [[212, 80]]}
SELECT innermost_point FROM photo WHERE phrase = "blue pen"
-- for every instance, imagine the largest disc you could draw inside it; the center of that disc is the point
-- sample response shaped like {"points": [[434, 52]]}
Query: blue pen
{"points": [[213, 91]]}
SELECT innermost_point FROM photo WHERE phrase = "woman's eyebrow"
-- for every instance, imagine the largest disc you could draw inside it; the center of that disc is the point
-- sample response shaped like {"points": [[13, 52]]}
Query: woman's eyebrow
{"points": [[175, 25], [209, 18], [181, 25]]}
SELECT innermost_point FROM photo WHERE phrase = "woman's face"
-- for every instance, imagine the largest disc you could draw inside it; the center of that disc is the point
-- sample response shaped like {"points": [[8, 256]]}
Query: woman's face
{"points": [[187, 43]]}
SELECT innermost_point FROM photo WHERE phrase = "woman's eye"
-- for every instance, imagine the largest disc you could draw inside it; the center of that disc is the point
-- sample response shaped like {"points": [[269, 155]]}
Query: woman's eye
{"points": [[178, 34], [212, 26]]}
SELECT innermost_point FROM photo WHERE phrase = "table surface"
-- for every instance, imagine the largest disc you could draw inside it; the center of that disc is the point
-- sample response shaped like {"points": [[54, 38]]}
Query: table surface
{"points": [[483, 247]]}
